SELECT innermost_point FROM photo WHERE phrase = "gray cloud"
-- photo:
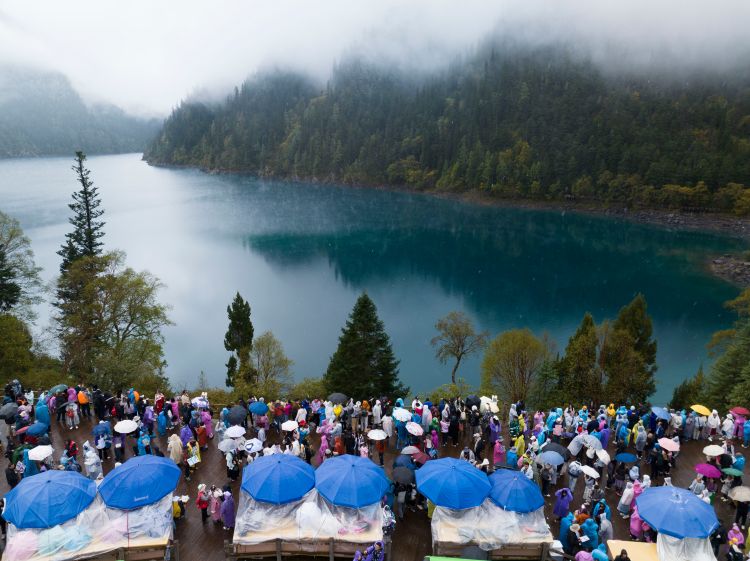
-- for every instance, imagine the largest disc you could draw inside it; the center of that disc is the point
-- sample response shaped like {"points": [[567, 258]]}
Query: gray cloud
{"points": [[145, 56]]}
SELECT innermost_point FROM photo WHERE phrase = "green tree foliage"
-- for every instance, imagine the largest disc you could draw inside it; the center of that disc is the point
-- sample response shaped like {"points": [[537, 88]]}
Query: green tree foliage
{"points": [[20, 285], [457, 340], [580, 380], [16, 358], [690, 392], [239, 340], [449, 391], [111, 334], [88, 229], [511, 364], [308, 388], [363, 365], [273, 374], [522, 123], [729, 382], [543, 393], [231, 371]]}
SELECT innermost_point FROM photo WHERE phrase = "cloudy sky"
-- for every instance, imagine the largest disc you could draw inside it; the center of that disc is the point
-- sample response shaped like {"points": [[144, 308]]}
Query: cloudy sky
{"points": [[145, 56]]}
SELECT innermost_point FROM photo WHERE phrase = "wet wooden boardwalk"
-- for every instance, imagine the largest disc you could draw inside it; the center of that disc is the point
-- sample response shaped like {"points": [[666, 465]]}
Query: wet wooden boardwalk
{"points": [[412, 540]]}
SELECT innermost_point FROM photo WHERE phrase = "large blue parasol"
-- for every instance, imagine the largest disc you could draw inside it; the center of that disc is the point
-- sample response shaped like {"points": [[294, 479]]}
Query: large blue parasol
{"points": [[453, 483], [278, 478], [140, 481], [351, 481]]}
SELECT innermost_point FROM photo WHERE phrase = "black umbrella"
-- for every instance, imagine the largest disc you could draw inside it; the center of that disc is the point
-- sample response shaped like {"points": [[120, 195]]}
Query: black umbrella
{"points": [[473, 400], [8, 411], [237, 415], [555, 447], [402, 475], [337, 397]]}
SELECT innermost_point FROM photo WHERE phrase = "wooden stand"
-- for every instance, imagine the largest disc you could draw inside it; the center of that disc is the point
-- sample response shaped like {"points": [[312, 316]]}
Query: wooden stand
{"points": [[522, 551], [278, 549]]}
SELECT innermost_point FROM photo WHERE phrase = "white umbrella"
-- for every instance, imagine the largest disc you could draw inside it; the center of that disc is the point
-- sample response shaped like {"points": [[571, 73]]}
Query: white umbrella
{"points": [[377, 434], [713, 450], [200, 401], [591, 472], [235, 431], [253, 445], [590, 441], [401, 414], [227, 445], [126, 427], [414, 428], [289, 425], [489, 403], [603, 456], [408, 450], [40, 452]]}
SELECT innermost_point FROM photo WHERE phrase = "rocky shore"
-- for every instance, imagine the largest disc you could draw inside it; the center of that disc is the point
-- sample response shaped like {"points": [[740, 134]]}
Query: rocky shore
{"points": [[732, 268]]}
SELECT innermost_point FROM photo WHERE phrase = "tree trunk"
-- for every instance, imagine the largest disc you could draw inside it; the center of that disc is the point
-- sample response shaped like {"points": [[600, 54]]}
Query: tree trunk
{"points": [[455, 369]]}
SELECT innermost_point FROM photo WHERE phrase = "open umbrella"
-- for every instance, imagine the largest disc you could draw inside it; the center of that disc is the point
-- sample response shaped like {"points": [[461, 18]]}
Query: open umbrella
{"points": [[256, 408], [278, 479], [401, 414], [676, 512], [402, 475], [140, 481], [238, 414], [603, 456], [490, 403], [512, 490], [550, 446], [420, 458], [338, 397], [713, 450], [550, 457], [37, 429], [414, 428], [472, 401], [740, 494], [744, 412], [708, 470], [38, 453], [661, 413], [626, 457], [729, 471], [200, 402], [669, 445], [227, 445], [453, 483], [410, 450], [377, 434], [701, 409], [404, 461], [48, 499], [351, 481], [253, 445], [58, 388], [235, 431], [126, 426], [591, 472], [289, 425], [9, 410]]}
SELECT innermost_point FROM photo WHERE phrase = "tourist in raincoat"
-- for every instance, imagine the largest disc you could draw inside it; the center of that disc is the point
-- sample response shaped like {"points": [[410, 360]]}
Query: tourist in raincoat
{"points": [[712, 424], [591, 530], [185, 435], [520, 445], [498, 453], [174, 447], [227, 511], [565, 525], [161, 423], [91, 462], [30, 467], [562, 503], [42, 413], [144, 444]]}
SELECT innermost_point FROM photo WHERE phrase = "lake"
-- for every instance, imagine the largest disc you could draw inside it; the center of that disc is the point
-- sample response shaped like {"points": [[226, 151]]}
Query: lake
{"points": [[302, 253]]}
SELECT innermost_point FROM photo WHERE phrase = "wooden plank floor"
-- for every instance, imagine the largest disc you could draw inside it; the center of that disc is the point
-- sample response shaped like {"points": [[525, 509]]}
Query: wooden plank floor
{"points": [[412, 540]]}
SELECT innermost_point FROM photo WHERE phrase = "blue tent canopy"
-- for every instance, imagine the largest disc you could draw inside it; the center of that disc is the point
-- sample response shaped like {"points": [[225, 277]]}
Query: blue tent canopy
{"points": [[351, 481], [48, 499], [278, 479], [676, 512], [453, 483], [513, 491], [138, 482]]}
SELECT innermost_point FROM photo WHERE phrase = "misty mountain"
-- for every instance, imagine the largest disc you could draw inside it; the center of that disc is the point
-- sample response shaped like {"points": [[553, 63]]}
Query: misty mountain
{"points": [[530, 123], [41, 114]]}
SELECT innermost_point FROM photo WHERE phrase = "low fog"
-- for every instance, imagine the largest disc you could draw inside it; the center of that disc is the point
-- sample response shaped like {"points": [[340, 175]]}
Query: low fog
{"points": [[146, 56]]}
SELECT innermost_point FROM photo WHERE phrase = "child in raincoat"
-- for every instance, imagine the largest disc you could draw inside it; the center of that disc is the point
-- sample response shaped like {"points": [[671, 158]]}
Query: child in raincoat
{"points": [[71, 416]]}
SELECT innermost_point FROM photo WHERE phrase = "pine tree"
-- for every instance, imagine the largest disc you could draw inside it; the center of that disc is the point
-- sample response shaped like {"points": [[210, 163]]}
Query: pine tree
{"points": [[10, 291], [85, 239], [363, 365], [634, 319], [231, 371], [729, 376], [580, 380], [239, 338]]}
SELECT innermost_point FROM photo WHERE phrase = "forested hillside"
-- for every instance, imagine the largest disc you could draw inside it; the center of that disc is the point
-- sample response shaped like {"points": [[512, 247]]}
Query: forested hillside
{"points": [[533, 124], [41, 114]]}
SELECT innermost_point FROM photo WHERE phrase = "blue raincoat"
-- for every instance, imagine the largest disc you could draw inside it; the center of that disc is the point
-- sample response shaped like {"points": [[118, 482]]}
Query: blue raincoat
{"points": [[29, 465], [161, 424], [565, 525], [591, 530], [42, 412]]}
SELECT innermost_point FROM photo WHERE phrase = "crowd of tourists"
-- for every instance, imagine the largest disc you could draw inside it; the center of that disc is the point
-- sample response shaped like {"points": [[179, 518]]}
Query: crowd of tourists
{"points": [[612, 453]]}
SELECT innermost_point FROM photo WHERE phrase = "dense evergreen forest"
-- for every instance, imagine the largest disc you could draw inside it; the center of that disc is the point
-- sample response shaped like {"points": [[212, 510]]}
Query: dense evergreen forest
{"points": [[530, 124], [41, 114]]}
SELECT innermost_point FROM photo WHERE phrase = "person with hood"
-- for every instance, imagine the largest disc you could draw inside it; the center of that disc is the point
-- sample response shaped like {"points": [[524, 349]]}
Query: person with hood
{"points": [[520, 445], [202, 501], [600, 553], [563, 536], [227, 511], [562, 503], [498, 452], [636, 525], [144, 444], [712, 424], [174, 447], [591, 531], [375, 552], [727, 427], [30, 467], [42, 413], [214, 504], [601, 507], [736, 537], [91, 462], [628, 495], [697, 485], [185, 434], [377, 413], [606, 530]]}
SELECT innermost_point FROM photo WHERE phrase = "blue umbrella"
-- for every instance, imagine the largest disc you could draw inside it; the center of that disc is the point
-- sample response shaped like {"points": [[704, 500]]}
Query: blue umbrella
{"points": [[258, 408], [48, 499], [140, 481], [404, 461], [551, 457], [626, 457], [453, 483], [661, 413], [676, 512], [37, 429], [512, 490], [278, 479], [351, 481]]}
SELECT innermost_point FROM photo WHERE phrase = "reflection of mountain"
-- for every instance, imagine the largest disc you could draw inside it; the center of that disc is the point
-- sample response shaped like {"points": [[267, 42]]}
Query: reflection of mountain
{"points": [[542, 267]]}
